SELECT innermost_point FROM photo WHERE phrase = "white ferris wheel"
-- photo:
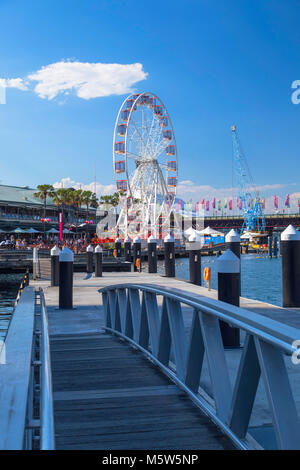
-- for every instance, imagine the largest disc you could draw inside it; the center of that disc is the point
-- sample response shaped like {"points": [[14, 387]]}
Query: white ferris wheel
{"points": [[145, 165]]}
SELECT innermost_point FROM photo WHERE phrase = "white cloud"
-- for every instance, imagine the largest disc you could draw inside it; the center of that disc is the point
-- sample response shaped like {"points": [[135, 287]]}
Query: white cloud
{"points": [[187, 190], [87, 80], [13, 83], [101, 189]]}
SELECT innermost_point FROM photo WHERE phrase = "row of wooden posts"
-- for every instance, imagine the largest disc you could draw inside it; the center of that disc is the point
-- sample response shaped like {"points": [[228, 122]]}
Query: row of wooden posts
{"points": [[228, 266]]}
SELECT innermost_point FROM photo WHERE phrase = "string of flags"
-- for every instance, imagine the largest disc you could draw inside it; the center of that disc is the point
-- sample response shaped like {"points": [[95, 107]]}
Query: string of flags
{"points": [[229, 203]]}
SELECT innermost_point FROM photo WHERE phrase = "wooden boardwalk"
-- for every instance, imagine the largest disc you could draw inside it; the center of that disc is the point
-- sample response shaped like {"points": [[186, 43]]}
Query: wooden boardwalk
{"points": [[108, 396]]}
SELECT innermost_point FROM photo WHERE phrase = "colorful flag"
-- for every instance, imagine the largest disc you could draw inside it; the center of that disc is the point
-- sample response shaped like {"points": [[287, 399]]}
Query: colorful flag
{"points": [[237, 202], [263, 203], [189, 205], [207, 205], [287, 201], [225, 204], [249, 201], [197, 207], [214, 203], [219, 205], [240, 205], [178, 205], [230, 204], [203, 203], [276, 202]]}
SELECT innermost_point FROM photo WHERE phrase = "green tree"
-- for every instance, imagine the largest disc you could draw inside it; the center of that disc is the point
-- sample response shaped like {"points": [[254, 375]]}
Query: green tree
{"points": [[61, 199], [87, 200], [44, 191], [112, 199]]}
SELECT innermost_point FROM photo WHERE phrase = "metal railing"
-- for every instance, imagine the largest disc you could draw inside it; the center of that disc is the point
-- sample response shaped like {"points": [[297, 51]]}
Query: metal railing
{"points": [[26, 413], [24, 283], [132, 312], [47, 434]]}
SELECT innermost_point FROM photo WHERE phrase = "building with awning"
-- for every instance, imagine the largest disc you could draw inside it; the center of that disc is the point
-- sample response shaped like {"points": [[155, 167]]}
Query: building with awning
{"points": [[20, 209]]}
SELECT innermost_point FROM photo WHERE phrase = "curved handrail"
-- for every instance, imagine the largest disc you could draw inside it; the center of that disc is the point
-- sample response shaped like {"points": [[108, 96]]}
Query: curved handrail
{"points": [[132, 312], [270, 330]]}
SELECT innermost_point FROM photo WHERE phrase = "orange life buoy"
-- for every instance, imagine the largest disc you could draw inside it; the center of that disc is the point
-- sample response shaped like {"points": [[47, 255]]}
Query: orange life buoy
{"points": [[115, 253], [206, 274], [138, 263]]}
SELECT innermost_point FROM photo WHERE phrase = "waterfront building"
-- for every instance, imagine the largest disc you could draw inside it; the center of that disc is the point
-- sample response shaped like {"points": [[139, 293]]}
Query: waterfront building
{"points": [[20, 208]]}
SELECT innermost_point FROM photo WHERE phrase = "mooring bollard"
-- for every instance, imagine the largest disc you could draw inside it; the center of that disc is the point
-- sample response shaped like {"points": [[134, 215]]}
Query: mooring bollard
{"points": [[35, 260], [169, 246], [270, 246], [290, 251], [137, 254], [127, 249], [118, 247], [55, 266], [98, 261], [229, 291], [66, 259], [89, 263], [275, 247], [233, 242], [194, 259], [152, 254]]}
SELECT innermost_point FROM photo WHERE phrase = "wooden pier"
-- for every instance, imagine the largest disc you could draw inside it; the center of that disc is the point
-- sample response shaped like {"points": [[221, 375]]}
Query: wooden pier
{"points": [[109, 395], [138, 363]]}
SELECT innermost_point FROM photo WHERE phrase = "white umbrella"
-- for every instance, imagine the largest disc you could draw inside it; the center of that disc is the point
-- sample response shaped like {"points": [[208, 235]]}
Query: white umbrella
{"points": [[19, 230], [32, 230], [190, 231], [245, 236], [209, 231]]}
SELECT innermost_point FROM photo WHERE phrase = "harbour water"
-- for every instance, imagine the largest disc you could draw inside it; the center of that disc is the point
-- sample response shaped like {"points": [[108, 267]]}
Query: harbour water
{"points": [[9, 286], [261, 275], [261, 280]]}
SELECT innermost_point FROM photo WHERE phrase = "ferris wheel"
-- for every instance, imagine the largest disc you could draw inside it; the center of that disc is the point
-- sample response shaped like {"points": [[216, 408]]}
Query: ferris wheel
{"points": [[145, 165]]}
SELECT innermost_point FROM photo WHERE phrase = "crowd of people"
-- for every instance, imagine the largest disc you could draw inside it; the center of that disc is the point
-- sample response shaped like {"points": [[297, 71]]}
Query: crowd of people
{"points": [[14, 243]]}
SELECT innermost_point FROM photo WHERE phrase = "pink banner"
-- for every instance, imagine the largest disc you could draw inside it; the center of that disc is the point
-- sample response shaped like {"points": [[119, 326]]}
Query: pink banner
{"points": [[60, 226]]}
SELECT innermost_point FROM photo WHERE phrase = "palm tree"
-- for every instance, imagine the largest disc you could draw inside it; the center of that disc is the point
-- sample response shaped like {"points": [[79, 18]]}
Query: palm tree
{"points": [[61, 198], [77, 201], [44, 191], [87, 200], [94, 201], [112, 199]]}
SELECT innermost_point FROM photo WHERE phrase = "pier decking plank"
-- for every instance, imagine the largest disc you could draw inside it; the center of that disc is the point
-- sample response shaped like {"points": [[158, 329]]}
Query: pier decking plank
{"points": [[108, 396]]}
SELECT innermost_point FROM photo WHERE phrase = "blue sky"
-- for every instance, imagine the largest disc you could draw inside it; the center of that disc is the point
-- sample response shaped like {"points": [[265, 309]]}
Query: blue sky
{"points": [[213, 64]]}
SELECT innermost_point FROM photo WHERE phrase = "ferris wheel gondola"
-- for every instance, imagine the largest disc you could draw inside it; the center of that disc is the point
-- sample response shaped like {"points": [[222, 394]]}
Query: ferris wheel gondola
{"points": [[145, 164]]}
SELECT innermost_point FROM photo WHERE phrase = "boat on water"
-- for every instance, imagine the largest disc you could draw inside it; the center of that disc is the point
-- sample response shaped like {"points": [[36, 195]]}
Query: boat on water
{"points": [[256, 240]]}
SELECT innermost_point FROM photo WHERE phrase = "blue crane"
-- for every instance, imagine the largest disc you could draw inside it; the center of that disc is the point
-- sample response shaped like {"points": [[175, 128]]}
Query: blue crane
{"points": [[249, 199]]}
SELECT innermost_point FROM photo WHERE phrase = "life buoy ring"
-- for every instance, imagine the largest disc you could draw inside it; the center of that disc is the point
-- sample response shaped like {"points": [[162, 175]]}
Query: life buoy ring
{"points": [[138, 262], [115, 253], [206, 274]]}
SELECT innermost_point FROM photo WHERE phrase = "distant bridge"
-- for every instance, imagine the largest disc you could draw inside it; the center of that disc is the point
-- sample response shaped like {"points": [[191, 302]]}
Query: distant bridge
{"points": [[273, 222]]}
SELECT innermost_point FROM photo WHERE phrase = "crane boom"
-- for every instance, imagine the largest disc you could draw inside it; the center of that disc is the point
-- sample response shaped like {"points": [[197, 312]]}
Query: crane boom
{"points": [[249, 199]]}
